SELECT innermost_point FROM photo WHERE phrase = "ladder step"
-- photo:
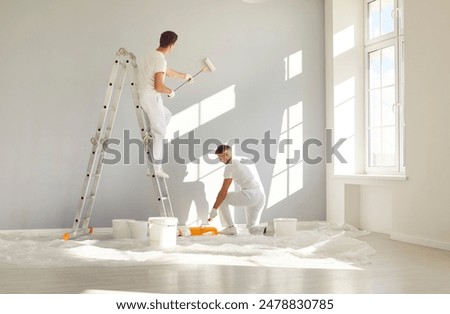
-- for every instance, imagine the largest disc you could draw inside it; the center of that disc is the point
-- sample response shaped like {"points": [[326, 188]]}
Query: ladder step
{"points": [[94, 175], [81, 220], [100, 130]]}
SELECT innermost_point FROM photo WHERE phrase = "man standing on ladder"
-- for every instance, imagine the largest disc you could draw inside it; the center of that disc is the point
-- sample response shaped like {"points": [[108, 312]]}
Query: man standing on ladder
{"points": [[152, 75]]}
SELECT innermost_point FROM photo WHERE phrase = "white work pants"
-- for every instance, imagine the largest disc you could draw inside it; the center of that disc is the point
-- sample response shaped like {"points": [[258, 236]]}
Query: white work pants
{"points": [[159, 117], [253, 200]]}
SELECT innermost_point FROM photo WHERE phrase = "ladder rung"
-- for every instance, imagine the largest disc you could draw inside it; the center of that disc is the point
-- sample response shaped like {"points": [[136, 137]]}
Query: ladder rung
{"points": [[94, 175], [84, 231], [81, 220]]}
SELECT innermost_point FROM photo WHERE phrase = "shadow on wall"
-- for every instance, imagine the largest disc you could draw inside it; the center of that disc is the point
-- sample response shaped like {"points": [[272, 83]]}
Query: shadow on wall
{"points": [[268, 127], [193, 206]]}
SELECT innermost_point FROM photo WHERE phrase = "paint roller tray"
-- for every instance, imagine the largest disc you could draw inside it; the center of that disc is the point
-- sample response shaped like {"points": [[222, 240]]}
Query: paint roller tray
{"points": [[201, 230]]}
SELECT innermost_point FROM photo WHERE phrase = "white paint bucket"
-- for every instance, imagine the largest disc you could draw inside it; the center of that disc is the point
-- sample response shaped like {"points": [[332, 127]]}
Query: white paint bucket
{"points": [[163, 231], [285, 226], [121, 228], [138, 229]]}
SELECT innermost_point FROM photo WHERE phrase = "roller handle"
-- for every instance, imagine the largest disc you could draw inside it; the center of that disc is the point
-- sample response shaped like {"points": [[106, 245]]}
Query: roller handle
{"points": [[185, 82]]}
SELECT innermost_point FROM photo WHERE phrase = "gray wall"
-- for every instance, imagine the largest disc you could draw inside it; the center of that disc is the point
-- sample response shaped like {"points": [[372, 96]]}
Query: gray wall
{"points": [[56, 58]]}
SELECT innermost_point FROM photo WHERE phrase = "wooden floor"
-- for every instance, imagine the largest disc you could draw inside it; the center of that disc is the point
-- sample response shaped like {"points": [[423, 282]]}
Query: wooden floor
{"points": [[396, 268]]}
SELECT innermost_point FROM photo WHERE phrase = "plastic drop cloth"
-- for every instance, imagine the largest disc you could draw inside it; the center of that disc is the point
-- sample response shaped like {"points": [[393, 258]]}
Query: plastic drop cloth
{"points": [[316, 244]]}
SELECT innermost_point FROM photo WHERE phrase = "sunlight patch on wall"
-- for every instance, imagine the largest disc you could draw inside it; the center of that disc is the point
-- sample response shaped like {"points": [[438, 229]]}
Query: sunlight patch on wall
{"points": [[344, 123], [295, 183], [343, 40], [344, 108], [201, 168], [206, 167], [287, 177], [293, 65], [278, 189], [198, 114], [218, 104], [184, 121]]}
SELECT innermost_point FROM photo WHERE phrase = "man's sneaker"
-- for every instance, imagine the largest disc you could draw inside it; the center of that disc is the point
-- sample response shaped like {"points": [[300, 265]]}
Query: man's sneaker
{"points": [[269, 230], [231, 230], [161, 173]]}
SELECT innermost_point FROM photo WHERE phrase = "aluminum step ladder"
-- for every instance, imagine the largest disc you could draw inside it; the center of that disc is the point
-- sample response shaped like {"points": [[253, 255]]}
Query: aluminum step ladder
{"points": [[125, 62]]}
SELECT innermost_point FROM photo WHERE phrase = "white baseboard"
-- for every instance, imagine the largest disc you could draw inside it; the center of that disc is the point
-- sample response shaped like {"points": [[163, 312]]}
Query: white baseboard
{"points": [[421, 241], [46, 231]]}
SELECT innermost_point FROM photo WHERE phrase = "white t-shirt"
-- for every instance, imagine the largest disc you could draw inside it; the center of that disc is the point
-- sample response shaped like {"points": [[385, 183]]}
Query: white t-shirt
{"points": [[241, 174], [152, 63]]}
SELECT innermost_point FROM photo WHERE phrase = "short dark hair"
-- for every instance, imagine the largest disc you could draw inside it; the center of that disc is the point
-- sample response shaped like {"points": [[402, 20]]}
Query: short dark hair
{"points": [[222, 149], [167, 38]]}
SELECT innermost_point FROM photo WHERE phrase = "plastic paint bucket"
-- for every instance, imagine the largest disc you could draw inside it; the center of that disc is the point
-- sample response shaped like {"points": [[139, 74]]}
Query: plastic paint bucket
{"points": [[285, 226], [121, 228], [138, 229], [163, 231]]}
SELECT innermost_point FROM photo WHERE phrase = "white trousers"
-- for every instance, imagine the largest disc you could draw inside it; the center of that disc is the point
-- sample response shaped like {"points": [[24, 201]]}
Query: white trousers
{"points": [[159, 117], [253, 200]]}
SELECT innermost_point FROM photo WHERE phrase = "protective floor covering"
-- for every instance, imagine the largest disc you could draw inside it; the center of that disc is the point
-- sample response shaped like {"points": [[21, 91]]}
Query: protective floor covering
{"points": [[315, 245]]}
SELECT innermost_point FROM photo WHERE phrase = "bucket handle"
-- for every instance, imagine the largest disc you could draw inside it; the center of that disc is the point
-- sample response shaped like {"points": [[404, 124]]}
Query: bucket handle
{"points": [[160, 224]]}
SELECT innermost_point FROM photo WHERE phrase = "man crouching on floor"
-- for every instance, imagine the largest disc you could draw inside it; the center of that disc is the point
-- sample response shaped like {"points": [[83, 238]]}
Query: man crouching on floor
{"points": [[251, 195]]}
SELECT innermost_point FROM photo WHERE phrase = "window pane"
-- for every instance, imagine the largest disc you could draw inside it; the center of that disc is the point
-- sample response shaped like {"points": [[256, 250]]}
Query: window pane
{"points": [[375, 69], [375, 147], [387, 19], [388, 66], [374, 19], [382, 147], [388, 146], [375, 108], [388, 100]]}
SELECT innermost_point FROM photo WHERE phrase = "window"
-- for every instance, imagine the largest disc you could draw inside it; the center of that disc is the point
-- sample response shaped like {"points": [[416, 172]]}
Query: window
{"points": [[384, 87]]}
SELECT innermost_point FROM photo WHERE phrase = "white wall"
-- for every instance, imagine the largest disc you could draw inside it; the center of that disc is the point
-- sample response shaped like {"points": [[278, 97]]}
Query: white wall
{"points": [[345, 95], [422, 204], [56, 60], [415, 210]]}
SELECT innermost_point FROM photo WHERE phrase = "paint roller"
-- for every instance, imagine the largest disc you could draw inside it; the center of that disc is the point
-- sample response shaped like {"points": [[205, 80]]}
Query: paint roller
{"points": [[199, 229], [208, 67]]}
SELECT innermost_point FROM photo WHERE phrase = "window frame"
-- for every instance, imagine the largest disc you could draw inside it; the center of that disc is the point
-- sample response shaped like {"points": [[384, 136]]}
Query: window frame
{"points": [[395, 39], [393, 34]]}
